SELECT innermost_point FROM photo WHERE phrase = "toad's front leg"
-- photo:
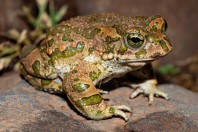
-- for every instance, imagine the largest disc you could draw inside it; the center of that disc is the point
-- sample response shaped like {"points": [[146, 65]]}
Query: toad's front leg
{"points": [[86, 98], [149, 84]]}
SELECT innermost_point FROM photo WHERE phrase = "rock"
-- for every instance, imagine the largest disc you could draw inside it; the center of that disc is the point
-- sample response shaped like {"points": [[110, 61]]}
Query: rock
{"points": [[23, 108], [163, 121]]}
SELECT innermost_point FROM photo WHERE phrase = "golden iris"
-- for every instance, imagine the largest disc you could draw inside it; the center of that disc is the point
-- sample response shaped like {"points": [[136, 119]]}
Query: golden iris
{"points": [[134, 40]]}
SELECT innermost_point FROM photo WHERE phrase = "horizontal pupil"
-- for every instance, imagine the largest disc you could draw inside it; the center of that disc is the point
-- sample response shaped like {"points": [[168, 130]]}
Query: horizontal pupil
{"points": [[135, 39]]}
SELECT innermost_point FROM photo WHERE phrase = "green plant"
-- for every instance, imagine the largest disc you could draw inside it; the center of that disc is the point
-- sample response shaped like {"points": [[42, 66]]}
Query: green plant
{"points": [[45, 19], [40, 23], [169, 69]]}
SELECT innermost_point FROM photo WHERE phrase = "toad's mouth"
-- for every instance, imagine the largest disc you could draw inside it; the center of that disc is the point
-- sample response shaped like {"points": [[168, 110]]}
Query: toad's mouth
{"points": [[145, 60]]}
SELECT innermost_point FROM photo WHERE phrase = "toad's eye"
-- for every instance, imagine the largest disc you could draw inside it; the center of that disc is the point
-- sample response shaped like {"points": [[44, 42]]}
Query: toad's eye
{"points": [[134, 40]]}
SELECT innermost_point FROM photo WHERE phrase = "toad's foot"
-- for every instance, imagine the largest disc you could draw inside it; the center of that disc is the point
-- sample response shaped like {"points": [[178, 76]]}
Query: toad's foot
{"points": [[116, 110], [149, 88]]}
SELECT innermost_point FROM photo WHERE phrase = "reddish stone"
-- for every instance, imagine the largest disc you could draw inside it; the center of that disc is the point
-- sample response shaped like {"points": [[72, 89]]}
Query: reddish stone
{"points": [[23, 108]]}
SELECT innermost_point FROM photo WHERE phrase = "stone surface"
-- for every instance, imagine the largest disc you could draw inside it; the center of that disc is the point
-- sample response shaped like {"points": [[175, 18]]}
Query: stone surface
{"points": [[23, 108]]}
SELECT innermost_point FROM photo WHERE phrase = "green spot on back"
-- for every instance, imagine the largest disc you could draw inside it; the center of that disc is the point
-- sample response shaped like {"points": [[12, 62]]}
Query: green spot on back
{"points": [[74, 71], [43, 47], [51, 62], [68, 52], [66, 37], [90, 50], [140, 52], [50, 42], [45, 82], [111, 110], [160, 42], [122, 49], [154, 27], [76, 79], [80, 87], [110, 39], [99, 112], [163, 45], [93, 75], [36, 67], [89, 33], [120, 29], [91, 100], [80, 46], [108, 49]]}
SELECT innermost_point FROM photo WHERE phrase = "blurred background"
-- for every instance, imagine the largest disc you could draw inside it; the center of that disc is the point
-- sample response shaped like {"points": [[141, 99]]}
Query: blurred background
{"points": [[181, 16]]}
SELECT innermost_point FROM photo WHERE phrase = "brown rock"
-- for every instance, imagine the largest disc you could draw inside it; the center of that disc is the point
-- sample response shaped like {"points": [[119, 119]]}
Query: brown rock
{"points": [[163, 121], [26, 109]]}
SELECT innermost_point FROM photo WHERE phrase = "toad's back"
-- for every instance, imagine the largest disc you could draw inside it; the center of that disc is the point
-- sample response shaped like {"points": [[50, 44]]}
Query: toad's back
{"points": [[106, 19], [87, 28]]}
